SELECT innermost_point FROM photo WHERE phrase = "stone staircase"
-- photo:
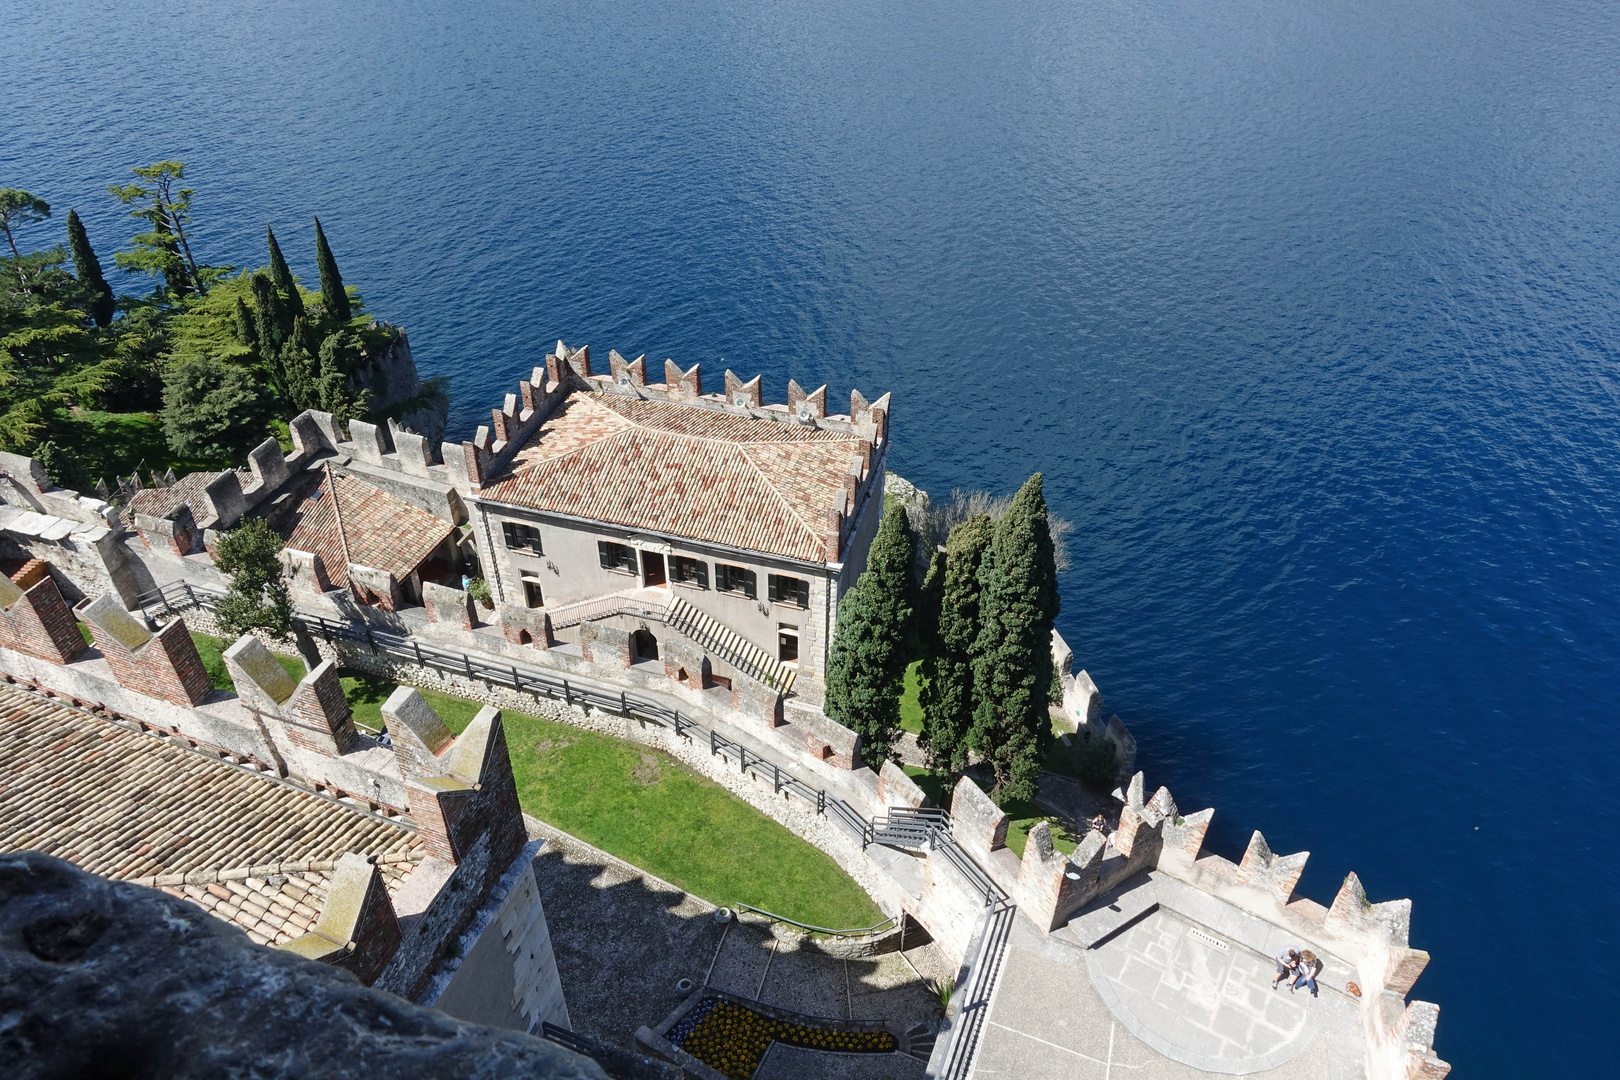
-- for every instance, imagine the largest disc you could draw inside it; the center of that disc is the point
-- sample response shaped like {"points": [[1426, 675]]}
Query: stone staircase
{"points": [[730, 646], [658, 604]]}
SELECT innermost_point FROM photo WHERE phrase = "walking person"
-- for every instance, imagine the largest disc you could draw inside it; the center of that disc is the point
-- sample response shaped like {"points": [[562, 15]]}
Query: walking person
{"points": [[1309, 968], [1287, 965]]}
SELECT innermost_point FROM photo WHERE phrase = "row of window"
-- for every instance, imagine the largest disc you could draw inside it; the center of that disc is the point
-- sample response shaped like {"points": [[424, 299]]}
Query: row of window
{"points": [[620, 558], [685, 570]]}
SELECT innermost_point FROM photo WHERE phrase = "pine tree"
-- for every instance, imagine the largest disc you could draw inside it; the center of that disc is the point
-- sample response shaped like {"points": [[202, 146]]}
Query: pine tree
{"points": [[171, 265], [1012, 656], [947, 694], [867, 668], [282, 276], [87, 268], [333, 298], [340, 355]]}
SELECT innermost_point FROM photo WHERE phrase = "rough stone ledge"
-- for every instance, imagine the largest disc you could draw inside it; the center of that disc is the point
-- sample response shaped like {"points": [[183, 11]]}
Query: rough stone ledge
{"points": [[100, 977]]}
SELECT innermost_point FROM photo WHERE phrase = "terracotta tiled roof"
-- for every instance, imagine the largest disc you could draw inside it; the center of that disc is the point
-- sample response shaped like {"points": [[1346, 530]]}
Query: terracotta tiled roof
{"points": [[379, 530], [277, 908], [127, 805], [157, 502], [685, 470]]}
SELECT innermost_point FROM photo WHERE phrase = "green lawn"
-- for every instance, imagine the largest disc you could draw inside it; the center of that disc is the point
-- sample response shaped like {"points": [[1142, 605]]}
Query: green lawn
{"points": [[911, 717], [212, 649], [650, 810]]}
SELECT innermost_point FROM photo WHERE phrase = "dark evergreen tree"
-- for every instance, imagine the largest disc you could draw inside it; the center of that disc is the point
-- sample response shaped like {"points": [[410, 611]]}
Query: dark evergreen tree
{"points": [[947, 696], [214, 411], [271, 318], [333, 298], [63, 466], [300, 368], [340, 354], [1012, 656], [867, 668], [247, 330], [282, 276], [87, 268], [257, 598], [172, 266]]}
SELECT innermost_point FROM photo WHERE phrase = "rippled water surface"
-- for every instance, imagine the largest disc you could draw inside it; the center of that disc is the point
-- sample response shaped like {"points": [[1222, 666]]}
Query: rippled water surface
{"points": [[1307, 311]]}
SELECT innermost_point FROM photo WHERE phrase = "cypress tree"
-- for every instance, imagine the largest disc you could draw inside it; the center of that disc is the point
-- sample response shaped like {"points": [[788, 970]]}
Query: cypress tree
{"points": [[866, 671], [1012, 656], [247, 331], [273, 321], [87, 268], [947, 696], [333, 298], [283, 276]]}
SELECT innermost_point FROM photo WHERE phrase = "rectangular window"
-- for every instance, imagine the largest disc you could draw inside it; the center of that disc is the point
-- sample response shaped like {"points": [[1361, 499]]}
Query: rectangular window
{"points": [[789, 590], [735, 579], [694, 572], [522, 537], [532, 596], [617, 557], [787, 647]]}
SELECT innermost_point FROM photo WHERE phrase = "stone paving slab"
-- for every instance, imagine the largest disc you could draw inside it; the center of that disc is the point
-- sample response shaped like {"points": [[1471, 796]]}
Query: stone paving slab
{"points": [[884, 987], [1048, 1020], [622, 937]]}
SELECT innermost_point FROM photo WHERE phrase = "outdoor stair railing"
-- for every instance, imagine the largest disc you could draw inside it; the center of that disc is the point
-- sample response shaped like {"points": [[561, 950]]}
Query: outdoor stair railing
{"points": [[730, 646], [640, 603], [659, 605]]}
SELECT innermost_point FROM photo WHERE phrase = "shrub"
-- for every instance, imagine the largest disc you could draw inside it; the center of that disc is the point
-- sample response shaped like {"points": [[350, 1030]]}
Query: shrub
{"points": [[478, 589], [1094, 759]]}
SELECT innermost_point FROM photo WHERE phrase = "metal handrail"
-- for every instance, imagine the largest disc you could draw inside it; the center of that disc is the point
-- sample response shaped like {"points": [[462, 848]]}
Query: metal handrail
{"points": [[890, 921]]}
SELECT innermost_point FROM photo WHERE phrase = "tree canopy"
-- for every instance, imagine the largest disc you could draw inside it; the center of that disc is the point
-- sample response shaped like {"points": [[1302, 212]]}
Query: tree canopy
{"points": [[867, 666], [257, 598], [113, 381], [213, 410], [1012, 655], [947, 691]]}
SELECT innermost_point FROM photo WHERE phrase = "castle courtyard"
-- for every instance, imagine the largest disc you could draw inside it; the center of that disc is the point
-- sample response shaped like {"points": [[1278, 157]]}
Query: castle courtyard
{"points": [[1166, 999]]}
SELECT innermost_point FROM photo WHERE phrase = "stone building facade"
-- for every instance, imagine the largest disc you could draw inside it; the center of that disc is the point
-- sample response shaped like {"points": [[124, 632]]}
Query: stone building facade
{"points": [[665, 511]]}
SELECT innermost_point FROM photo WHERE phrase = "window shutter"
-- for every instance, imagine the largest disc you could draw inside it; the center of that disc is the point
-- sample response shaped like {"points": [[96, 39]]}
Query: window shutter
{"points": [[750, 584]]}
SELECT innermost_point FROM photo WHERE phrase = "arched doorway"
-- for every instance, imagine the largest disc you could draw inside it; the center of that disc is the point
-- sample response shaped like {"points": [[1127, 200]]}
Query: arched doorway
{"points": [[644, 644]]}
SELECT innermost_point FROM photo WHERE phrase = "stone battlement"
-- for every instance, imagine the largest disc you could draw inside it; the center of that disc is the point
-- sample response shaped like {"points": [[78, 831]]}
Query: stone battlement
{"points": [[493, 447]]}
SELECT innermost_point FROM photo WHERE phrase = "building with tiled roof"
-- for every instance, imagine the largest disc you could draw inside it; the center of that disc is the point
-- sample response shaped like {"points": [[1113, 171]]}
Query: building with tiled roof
{"points": [[736, 525], [354, 526]]}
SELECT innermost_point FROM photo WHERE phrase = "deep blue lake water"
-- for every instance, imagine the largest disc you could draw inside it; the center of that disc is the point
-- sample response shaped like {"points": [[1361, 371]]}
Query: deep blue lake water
{"points": [[1308, 312]]}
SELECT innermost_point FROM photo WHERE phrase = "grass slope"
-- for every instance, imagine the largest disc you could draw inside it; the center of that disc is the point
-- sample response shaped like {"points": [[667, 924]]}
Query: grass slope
{"points": [[650, 810]]}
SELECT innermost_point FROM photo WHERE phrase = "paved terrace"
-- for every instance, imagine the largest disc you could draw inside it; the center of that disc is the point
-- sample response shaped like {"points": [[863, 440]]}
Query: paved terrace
{"points": [[1157, 981], [624, 938]]}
